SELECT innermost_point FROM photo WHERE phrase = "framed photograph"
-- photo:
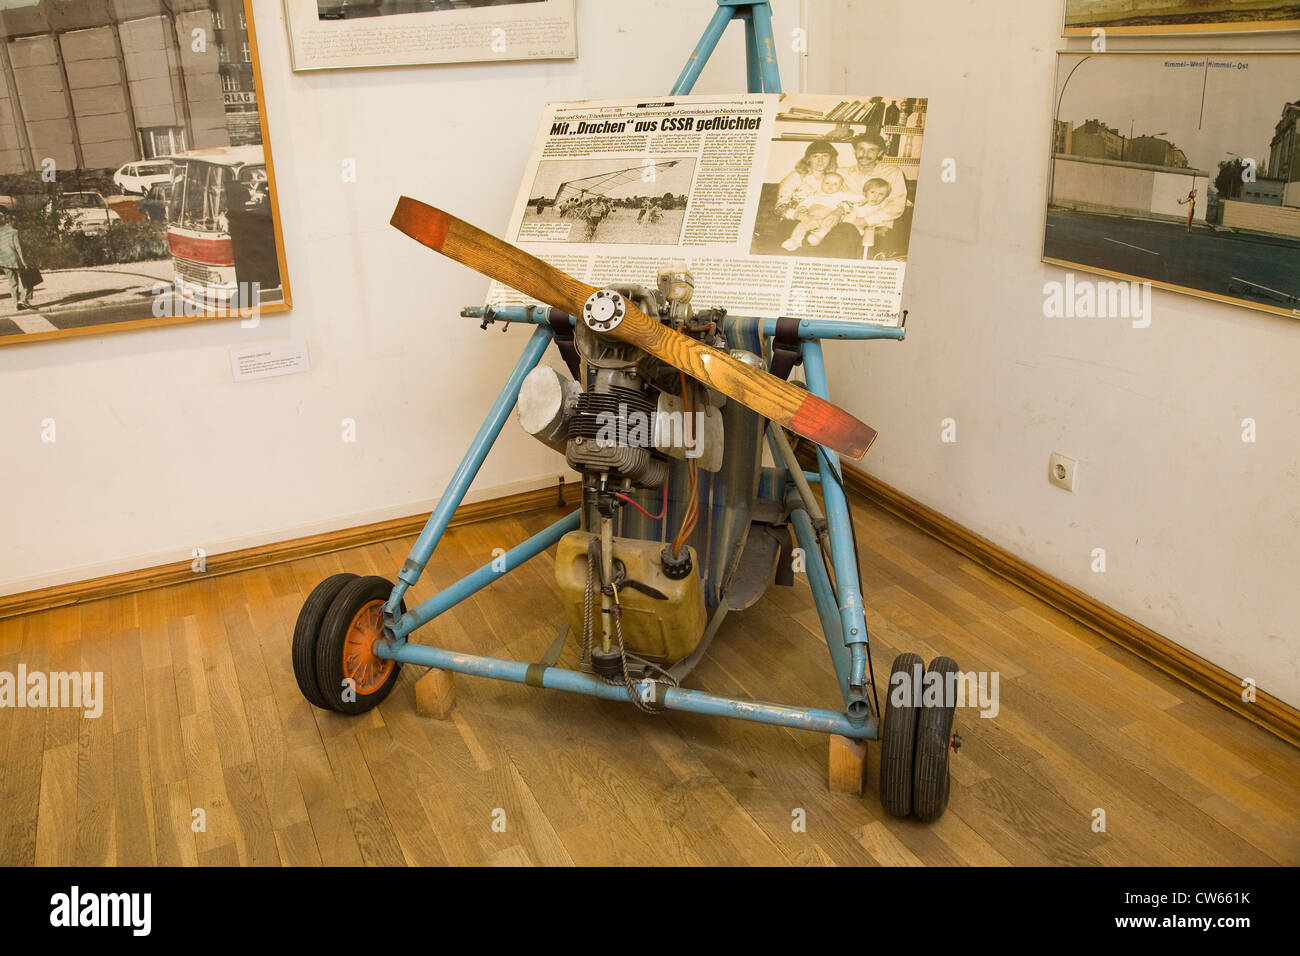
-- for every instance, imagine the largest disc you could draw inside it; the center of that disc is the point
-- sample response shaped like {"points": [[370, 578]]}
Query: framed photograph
{"points": [[1175, 17], [136, 182], [338, 34], [1182, 170]]}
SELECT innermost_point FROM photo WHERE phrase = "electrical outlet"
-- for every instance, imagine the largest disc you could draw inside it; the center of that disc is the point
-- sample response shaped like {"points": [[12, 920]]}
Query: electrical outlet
{"points": [[1060, 471]]}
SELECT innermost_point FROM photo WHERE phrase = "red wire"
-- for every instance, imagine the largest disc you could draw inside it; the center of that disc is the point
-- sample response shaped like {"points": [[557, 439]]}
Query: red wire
{"points": [[662, 511], [691, 516]]}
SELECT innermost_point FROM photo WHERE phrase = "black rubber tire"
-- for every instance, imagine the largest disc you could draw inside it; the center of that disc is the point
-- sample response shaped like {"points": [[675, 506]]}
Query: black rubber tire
{"points": [[898, 740], [933, 739], [307, 631], [329, 648]]}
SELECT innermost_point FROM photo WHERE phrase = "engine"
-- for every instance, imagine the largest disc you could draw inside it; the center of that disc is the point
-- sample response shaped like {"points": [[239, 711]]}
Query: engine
{"points": [[621, 432], [636, 412]]}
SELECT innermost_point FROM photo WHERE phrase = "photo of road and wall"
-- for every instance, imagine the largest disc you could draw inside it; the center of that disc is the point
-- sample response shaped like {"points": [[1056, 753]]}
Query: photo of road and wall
{"points": [[636, 200], [1150, 17], [140, 197], [1180, 169]]}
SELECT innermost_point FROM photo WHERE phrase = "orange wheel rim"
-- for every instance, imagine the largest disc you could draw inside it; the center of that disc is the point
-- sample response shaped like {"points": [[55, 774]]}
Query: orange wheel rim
{"points": [[367, 671]]}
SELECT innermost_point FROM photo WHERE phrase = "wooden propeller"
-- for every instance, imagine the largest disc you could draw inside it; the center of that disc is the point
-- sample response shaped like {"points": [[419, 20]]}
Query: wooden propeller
{"points": [[789, 406]]}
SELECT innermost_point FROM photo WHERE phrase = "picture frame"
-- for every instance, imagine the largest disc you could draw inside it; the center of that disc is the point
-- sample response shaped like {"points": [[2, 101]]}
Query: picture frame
{"points": [[135, 169], [1179, 17], [1181, 170], [355, 34]]}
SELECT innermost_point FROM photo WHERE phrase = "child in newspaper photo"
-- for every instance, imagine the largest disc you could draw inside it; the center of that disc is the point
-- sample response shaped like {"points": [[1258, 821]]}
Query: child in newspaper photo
{"points": [[869, 212], [819, 212]]}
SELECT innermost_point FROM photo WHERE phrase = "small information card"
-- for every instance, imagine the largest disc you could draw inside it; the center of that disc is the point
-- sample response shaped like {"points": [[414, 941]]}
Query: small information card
{"points": [[268, 361]]}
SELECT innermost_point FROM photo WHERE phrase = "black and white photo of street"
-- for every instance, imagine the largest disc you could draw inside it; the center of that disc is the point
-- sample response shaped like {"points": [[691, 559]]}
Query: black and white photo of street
{"points": [[133, 181], [1180, 169]]}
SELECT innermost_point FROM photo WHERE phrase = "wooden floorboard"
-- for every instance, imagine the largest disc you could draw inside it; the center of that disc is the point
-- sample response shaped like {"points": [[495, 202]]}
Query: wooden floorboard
{"points": [[206, 754]]}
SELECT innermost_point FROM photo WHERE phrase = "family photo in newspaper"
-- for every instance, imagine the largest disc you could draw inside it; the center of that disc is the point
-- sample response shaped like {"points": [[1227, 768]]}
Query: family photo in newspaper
{"points": [[842, 191]]}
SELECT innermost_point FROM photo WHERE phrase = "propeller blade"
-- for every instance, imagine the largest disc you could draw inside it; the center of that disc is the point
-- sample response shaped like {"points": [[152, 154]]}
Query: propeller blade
{"points": [[791, 407]]}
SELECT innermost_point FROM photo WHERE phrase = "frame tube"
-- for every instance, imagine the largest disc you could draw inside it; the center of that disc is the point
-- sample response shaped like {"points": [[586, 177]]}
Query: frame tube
{"points": [[472, 583], [761, 70], [764, 49], [852, 615], [824, 598], [670, 698], [703, 50]]}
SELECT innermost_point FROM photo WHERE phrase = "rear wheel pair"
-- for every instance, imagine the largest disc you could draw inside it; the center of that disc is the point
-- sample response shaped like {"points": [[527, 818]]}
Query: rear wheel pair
{"points": [[917, 739], [333, 644]]}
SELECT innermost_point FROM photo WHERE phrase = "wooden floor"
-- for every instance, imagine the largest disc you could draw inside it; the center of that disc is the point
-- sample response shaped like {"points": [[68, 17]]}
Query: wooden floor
{"points": [[203, 713]]}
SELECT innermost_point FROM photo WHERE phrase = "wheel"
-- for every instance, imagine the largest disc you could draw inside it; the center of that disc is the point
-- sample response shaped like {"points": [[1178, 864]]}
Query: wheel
{"points": [[898, 738], [933, 744], [306, 633], [354, 621]]}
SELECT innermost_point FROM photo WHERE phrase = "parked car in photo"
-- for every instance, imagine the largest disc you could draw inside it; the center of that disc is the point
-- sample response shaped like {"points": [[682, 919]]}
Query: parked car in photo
{"points": [[86, 213], [138, 178], [154, 203]]}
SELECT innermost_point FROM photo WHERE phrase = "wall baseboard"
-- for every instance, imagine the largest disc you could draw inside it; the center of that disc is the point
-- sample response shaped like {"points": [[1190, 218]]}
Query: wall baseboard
{"points": [[230, 562], [1196, 672]]}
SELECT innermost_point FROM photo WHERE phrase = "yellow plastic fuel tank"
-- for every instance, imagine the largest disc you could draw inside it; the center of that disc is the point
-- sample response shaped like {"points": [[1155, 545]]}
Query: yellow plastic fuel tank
{"points": [[664, 625]]}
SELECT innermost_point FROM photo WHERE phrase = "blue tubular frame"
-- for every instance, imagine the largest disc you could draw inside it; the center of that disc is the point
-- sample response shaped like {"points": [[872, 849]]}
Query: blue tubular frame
{"points": [[843, 621], [665, 695], [852, 614], [823, 597], [473, 583], [760, 48]]}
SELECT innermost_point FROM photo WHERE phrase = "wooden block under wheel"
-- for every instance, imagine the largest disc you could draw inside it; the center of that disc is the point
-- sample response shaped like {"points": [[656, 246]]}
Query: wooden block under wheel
{"points": [[435, 694], [848, 764]]}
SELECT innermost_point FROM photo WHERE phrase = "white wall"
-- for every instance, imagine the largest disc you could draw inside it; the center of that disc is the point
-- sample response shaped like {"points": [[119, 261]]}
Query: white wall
{"points": [[1200, 530], [158, 451]]}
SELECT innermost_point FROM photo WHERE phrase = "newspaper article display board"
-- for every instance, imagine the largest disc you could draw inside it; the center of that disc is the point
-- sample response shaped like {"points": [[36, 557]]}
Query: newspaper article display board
{"points": [[780, 204], [337, 34]]}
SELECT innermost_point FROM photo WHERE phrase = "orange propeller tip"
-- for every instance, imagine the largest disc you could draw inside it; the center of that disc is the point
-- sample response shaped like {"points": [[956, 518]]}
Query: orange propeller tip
{"points": [[421, 222], [832, 427]]}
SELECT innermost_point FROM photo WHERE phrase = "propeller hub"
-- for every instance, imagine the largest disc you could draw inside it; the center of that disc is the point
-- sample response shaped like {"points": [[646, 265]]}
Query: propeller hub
{"points": [[604, 310]]}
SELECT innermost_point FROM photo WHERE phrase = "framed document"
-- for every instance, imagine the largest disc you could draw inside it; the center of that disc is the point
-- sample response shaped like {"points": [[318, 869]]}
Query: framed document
{"points": [[136, 181], [336, 34]]}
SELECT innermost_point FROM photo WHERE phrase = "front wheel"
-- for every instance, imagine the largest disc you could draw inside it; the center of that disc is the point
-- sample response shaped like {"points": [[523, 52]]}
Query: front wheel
{"points": [[306, 636], [898, 737], [350, 675], [934, 733]]}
